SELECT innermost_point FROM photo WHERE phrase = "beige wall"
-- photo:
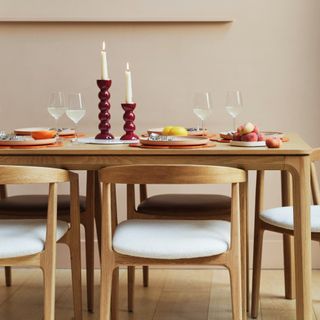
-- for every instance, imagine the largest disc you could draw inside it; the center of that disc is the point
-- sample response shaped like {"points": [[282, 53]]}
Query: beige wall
{"points": [[270, 52]]}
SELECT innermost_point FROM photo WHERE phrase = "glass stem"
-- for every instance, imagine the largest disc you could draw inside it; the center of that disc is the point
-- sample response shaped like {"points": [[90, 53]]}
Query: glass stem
{"points": [[202, 124]]}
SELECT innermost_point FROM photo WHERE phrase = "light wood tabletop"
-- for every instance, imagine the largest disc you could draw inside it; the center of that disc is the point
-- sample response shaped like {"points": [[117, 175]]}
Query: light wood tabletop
{"points": [[293, 156]]}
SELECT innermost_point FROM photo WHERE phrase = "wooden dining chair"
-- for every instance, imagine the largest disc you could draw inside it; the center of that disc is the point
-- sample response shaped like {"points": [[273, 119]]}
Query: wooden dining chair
{"points": [[172, 206], [279, 220], [138, 242], [35, 207], [26, 242]]}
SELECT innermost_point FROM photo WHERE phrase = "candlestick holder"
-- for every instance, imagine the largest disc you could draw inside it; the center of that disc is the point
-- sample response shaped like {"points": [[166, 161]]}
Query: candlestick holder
{"points": [[104, 106], [129, 118]]}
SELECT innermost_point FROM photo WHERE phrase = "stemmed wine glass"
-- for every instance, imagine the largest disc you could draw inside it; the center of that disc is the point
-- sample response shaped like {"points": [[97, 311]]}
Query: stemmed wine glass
{"points": [[234, 105], [75, 110], [202, 107], [57, 106]]}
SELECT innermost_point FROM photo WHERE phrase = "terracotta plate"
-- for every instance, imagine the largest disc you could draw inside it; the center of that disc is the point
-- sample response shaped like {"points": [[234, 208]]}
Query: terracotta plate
{"points": [[27, 142]]}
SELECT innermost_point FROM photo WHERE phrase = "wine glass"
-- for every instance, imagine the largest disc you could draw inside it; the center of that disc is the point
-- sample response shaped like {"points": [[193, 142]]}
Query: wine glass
{"points": [[75, 110], [234, 105], [57, 106], [202, 107]]}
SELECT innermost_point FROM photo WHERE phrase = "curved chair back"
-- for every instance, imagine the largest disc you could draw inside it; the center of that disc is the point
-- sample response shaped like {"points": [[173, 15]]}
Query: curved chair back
{"points": [[171, 174], [28, 175]]}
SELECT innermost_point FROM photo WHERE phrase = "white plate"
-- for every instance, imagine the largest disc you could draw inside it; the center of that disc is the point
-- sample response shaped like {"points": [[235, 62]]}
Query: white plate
{"points": [[28, 142], [177, 141], [28, 131], [248, 144], [117, 140]]}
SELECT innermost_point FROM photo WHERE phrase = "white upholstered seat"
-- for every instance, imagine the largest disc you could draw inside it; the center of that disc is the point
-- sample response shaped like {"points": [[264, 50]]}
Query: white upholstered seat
{"points": [[283, 217], [172, 239], [25, 237]]}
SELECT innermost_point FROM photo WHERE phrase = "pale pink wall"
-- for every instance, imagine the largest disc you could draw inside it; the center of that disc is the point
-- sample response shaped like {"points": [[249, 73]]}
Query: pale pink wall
{"points": [[270, 52]]}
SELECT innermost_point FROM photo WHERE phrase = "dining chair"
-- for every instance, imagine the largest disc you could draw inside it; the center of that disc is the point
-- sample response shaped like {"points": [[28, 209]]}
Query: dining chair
{"points": [[35, 207], [138, 242], [172, 206], [26, 242], [279, 220]]}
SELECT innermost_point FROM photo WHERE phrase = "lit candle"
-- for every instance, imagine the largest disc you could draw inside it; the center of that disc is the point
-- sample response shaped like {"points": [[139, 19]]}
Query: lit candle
{"points": [[104, 63], [128, 85]]}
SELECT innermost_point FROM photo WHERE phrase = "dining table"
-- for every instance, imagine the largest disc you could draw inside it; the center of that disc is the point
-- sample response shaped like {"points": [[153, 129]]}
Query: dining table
{"points": [[293, 157]]}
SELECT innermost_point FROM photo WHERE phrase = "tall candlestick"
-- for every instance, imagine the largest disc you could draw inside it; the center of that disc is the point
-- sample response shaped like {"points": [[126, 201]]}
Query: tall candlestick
{"points": [[128, 85], [104, 63]]}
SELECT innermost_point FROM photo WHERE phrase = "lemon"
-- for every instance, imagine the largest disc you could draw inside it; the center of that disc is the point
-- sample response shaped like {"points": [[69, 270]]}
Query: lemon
{"points": [[178, 131], [165, 130]]}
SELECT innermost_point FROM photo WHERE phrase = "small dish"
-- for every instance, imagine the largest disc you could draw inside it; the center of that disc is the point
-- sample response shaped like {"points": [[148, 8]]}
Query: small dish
{"points": [[43, 134], [247, 144]]}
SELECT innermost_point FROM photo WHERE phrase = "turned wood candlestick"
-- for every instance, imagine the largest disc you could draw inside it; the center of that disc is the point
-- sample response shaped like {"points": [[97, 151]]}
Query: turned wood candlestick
{"points": [[129, 118], [104, 106]]}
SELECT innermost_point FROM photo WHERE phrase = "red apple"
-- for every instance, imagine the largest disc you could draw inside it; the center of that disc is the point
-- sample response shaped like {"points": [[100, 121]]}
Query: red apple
{"points": [[273, 142], [256, 130], [236, 136], [240, 129], [249, 137], [261, 137]]}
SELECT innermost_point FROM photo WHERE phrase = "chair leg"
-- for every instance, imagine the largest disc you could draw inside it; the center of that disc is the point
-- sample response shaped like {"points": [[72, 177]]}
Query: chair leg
{"points": [[49, 291], [289, 270], [115, 294], [256, 272], [145, 273], [89, 237], [76, 279], [105, 290], [131, 280], [235, 281], [8, 276]]}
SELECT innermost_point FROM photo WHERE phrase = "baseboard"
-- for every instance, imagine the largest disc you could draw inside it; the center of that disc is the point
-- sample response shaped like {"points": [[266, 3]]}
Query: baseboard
{"points": [[272, 255]]}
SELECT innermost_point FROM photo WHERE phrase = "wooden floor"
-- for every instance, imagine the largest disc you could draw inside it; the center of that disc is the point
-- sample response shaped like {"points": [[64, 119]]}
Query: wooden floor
{"points": [[172, 295]]}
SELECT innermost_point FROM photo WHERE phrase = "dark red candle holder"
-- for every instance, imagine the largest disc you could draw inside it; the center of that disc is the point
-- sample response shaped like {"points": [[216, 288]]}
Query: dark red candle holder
{"points": [[129, 118], [104, 106]]}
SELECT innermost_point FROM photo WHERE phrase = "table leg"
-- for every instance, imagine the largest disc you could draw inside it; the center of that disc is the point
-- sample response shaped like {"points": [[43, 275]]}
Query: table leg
{"points": [[288, 253], [97, 195], [244, 246], [302, 235]]}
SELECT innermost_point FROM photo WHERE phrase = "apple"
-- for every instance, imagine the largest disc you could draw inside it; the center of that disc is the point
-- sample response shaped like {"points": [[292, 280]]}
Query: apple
{"points": [[261, 137], [248, 127], [236, 136], [273, 142], [249, 137], [256, 130], [239, 129]]}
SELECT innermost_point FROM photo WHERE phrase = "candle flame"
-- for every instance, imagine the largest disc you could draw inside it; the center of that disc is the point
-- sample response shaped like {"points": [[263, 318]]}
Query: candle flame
{"points": [[103, 46], [128, 67]]}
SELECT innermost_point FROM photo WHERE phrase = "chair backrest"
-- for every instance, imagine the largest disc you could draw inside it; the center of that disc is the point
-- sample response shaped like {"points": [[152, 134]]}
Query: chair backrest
{"points": [[168, 174], [29, 175], [171, 174], [315, 156]]}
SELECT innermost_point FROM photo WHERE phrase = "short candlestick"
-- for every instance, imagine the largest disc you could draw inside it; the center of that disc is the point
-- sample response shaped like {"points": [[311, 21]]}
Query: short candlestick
{"points": [[104, 106], [129, 118]]}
